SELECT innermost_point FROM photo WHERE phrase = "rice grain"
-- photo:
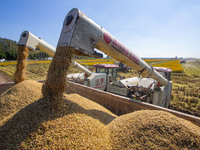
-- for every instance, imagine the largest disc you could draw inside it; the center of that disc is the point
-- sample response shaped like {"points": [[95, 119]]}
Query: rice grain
{"points": [[22, 55], [55, 84]]}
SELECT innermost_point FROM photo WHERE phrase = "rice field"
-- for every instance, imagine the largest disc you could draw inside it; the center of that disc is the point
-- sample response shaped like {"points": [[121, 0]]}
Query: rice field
{"points": [[186, 89], [192, 68], [174, 65], [91, 62], [34, 71], [156, 61], [30, 62]]}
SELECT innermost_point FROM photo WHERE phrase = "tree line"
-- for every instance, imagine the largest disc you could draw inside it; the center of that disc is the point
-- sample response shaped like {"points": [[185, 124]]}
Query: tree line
{"points": [[8, 51]]}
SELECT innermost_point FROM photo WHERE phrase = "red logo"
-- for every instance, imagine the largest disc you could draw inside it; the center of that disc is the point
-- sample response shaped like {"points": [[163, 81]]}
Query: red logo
{"points": [[107, 38], [99, 81]]}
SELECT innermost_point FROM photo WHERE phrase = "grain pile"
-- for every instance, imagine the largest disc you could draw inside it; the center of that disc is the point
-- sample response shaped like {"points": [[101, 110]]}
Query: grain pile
{"points": [[153, 130], [55, 84], [80, 124], [17, 97], [22, 55], [29, 122]]}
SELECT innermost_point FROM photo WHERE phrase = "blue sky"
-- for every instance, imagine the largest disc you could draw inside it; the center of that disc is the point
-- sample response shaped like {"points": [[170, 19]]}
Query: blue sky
{"points": [[150, 28]]}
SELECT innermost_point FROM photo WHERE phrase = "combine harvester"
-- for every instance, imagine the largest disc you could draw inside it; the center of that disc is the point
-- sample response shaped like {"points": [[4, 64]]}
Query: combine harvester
{"points": [[145, 89], [84, 35]]}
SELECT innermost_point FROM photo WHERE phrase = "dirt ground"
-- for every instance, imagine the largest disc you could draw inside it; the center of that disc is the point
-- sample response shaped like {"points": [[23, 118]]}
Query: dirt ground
{"points": [[4, 78]]}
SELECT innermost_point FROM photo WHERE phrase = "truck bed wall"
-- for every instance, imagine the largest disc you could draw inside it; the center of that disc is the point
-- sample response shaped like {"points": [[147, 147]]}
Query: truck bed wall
{"points": [[117, 104], [120, 105]]}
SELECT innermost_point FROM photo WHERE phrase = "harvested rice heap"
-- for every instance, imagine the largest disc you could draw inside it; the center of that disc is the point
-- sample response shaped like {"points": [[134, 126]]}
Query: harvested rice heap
{"points": [[17, 97], [83, 124], [150, 129], [80, 124], [22, 55]]}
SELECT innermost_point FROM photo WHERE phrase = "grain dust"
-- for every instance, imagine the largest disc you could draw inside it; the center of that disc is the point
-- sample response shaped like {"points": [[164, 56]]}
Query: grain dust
{"points": [[22, 55]]}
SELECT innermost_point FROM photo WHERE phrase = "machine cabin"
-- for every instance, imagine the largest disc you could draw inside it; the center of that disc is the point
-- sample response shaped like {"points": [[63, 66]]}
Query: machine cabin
{"points": [[109, 69]]}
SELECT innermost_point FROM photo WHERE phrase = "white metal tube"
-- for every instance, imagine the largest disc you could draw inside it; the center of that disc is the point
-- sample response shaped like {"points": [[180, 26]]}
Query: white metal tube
{"points": [[32, 42], [77, 65], [80, 32], [47, 48]]}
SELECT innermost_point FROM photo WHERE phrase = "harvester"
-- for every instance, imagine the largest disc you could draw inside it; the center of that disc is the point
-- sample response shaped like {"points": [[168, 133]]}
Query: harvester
{"points": [[84, 35]]}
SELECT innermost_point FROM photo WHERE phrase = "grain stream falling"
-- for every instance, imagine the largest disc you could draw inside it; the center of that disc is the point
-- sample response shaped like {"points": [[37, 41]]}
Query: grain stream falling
{"points": [[19, 75], [55, 84]]}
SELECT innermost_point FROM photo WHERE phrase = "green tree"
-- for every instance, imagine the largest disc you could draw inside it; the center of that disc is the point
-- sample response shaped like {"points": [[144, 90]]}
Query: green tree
{"points": [[8, 49]]}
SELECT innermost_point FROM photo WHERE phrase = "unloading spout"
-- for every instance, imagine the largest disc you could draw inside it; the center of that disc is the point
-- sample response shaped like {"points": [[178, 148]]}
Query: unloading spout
{"points": [[32, 42]]}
